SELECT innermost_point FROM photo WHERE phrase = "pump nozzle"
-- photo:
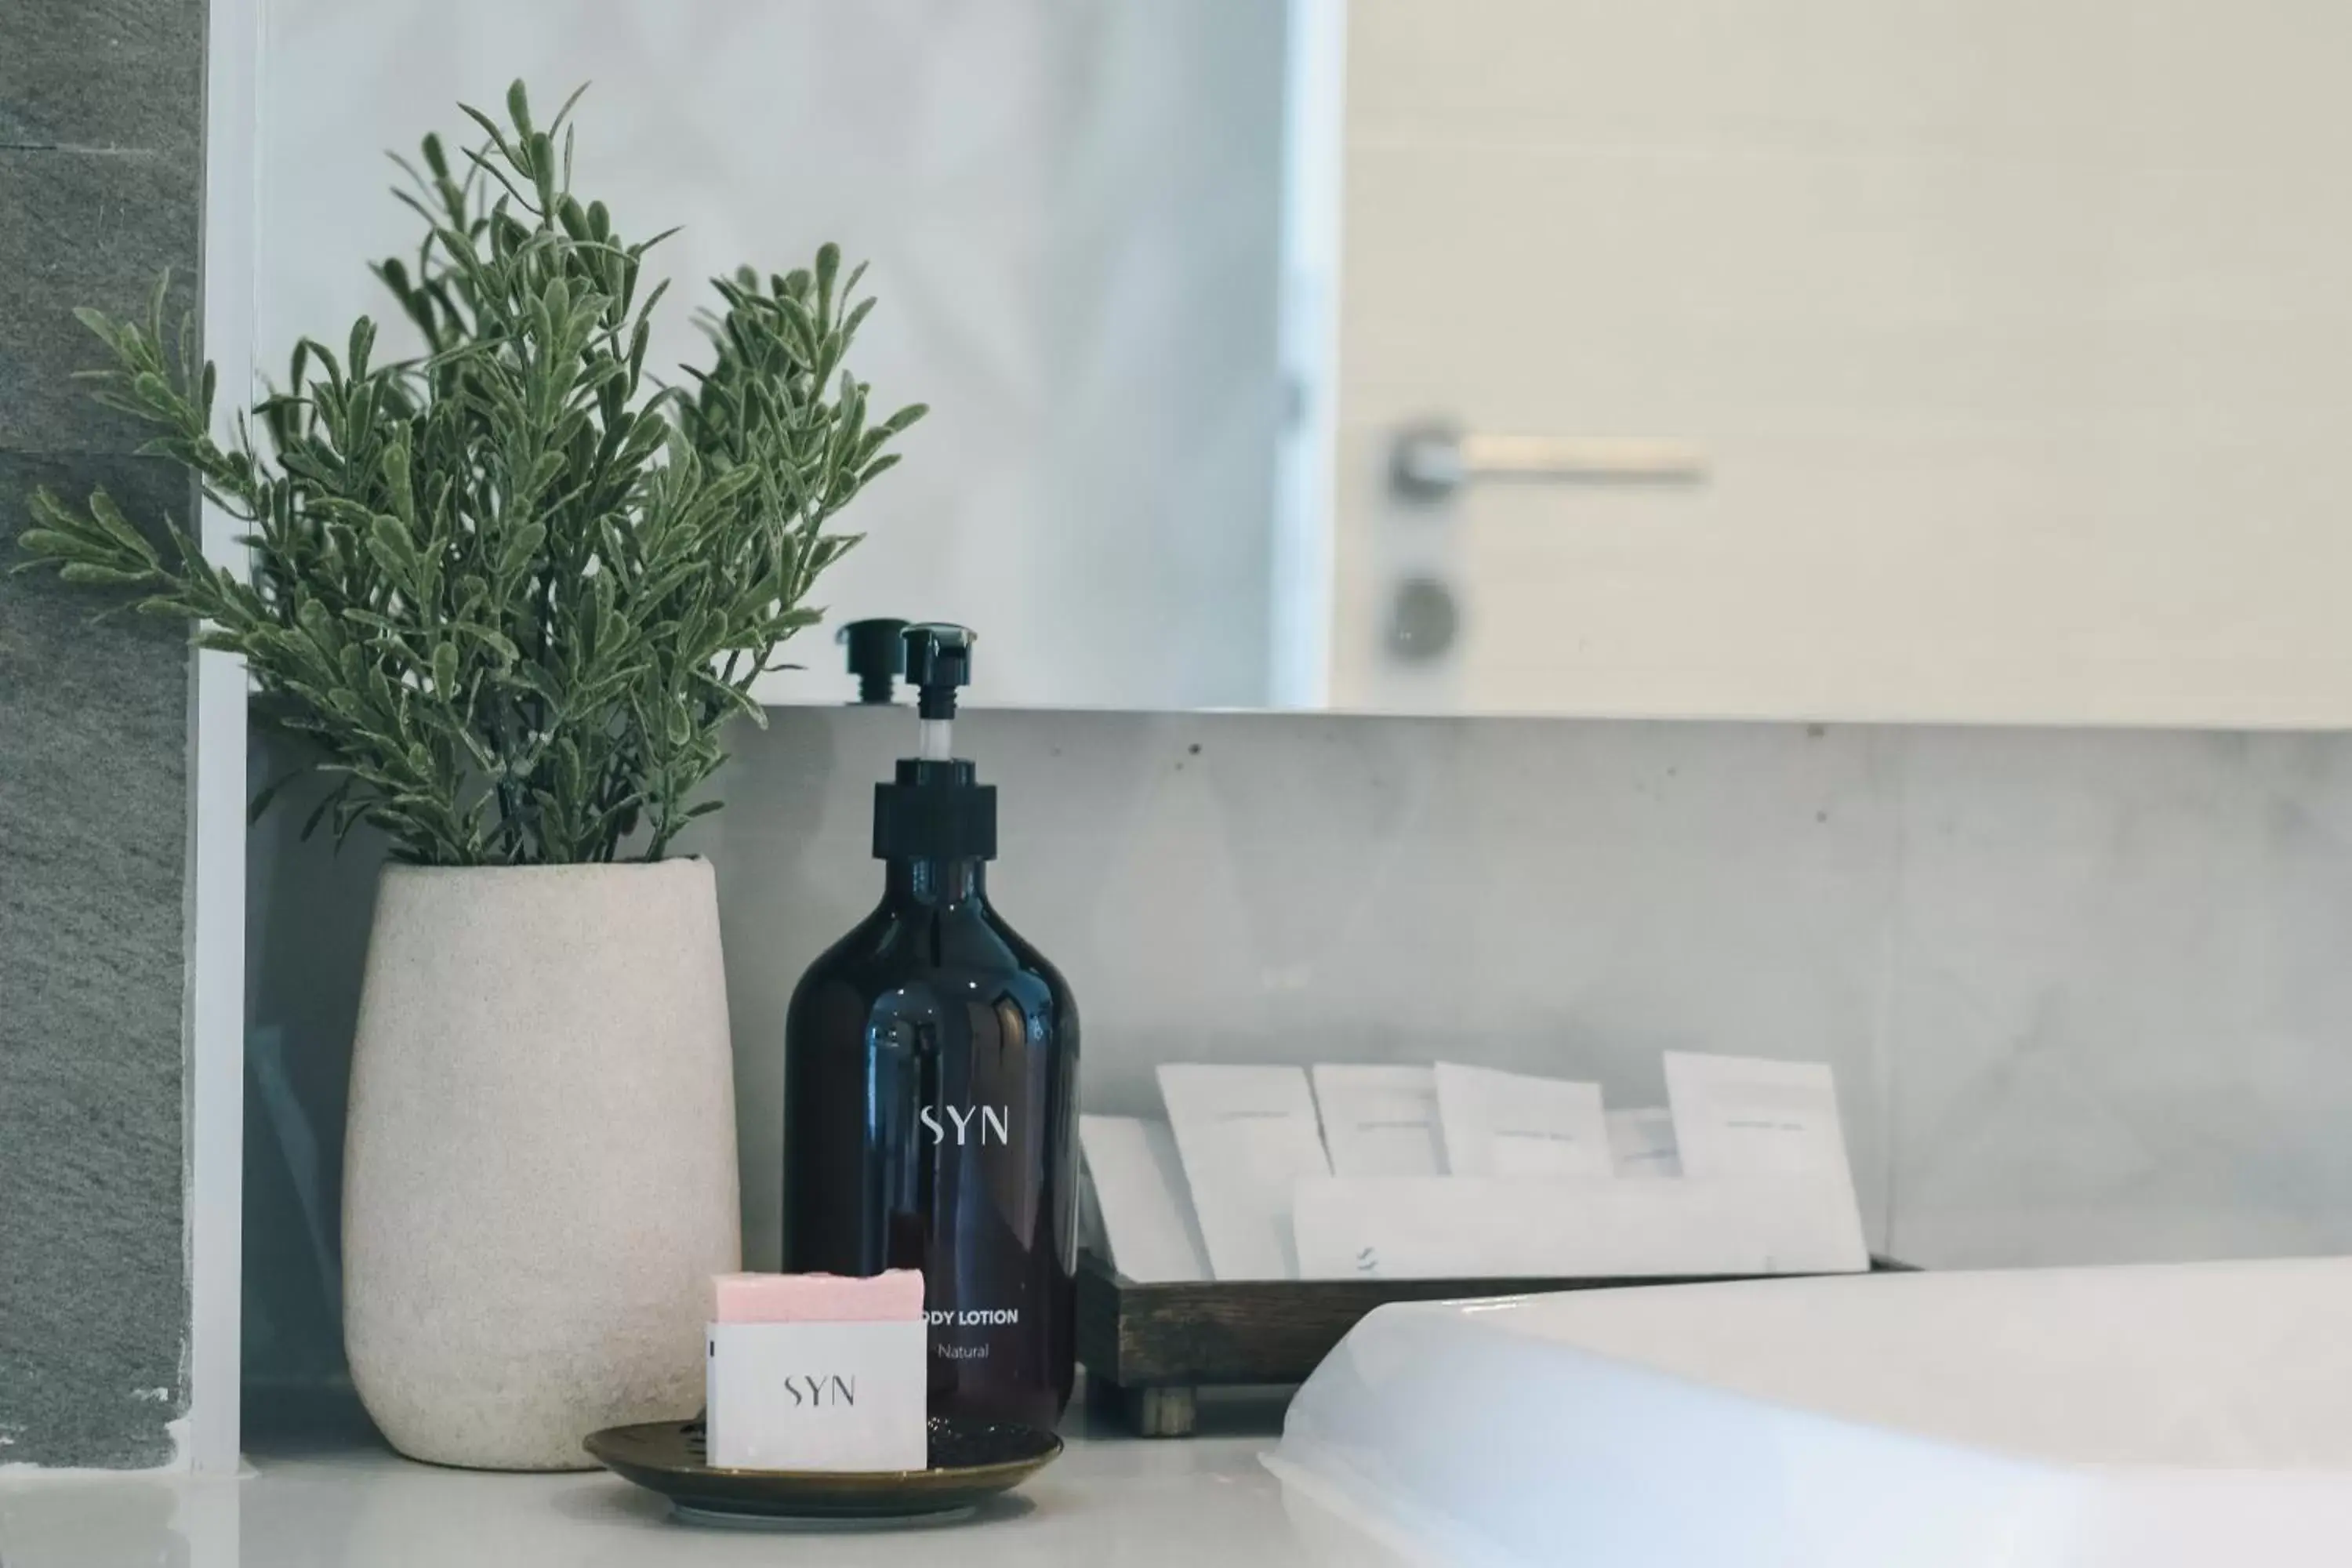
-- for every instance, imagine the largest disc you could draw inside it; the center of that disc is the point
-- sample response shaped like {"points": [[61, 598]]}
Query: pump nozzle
{"points": [[938, 659], [877, 652], [935, 809]]}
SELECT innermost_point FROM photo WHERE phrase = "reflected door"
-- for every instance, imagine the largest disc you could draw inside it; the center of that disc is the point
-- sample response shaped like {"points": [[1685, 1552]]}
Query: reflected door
{"points": [[1885, 360]]}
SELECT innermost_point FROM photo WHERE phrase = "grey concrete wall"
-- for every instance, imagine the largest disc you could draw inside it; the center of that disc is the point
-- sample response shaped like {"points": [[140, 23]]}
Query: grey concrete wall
{"points": [[101, 177], [2083, 990]]}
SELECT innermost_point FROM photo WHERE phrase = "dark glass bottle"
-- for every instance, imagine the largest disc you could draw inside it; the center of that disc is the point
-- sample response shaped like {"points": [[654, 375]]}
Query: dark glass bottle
{"points": [[930, 1106]]}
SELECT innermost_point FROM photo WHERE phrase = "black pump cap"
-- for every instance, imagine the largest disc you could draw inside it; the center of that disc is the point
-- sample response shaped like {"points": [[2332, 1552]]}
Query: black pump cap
{"points": [[877, 654], [938, 659], [934, 810]]}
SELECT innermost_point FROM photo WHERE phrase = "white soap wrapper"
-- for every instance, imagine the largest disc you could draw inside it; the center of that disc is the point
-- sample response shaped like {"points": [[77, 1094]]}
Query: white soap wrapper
{"points": [[1511, 1124], [1245, 1134], [1641, 1142], [818, 1396], [1379, 1121], [1743, 1116], [1469, 1227], [1138, 1181], [1735, 1116]]}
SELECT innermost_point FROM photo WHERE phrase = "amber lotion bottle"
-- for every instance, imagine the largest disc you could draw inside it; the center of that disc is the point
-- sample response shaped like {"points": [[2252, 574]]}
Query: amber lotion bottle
{"points": [[931, 1088]]}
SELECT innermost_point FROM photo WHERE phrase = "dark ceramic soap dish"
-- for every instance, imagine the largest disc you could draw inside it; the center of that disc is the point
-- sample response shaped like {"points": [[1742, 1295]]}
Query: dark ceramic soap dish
{"points": [[970, 1462]]}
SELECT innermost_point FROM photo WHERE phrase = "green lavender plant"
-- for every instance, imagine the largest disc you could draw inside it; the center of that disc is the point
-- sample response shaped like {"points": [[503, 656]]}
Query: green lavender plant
{"points": [[511, 591]]}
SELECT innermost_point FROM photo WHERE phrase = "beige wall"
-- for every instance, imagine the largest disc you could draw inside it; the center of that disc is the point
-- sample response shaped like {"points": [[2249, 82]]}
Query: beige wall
{"points": [[2019, 334]]}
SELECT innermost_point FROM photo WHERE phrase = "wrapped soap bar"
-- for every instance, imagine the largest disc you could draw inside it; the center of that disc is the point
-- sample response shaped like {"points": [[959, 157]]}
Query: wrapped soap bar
{"points": [[817, 1372]]}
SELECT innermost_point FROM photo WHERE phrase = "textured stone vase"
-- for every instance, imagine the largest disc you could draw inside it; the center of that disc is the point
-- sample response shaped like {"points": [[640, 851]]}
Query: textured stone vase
{"points": [[539, 1170]]}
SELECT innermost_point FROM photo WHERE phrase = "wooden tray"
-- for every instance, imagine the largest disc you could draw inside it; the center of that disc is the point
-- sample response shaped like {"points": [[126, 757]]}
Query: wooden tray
{"points": [[1148, 1347]]}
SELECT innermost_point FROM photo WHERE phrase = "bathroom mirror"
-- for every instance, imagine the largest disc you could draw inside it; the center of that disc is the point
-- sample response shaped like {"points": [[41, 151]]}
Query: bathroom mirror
{"points": [[1814, 358]]}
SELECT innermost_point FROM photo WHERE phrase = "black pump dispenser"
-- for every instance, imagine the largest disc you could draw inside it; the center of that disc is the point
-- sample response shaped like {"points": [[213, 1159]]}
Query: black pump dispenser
{"points": [[931, 1087], [938, 659], [878, 656], [935, 809]]}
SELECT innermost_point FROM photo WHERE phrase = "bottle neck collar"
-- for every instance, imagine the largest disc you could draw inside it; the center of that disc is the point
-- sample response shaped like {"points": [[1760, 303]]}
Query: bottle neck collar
{"points": [[937, 881]]}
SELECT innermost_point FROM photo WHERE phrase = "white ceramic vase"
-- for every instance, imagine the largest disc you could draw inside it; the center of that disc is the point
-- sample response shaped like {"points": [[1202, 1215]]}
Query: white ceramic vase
{"points": [[538, 1174]]}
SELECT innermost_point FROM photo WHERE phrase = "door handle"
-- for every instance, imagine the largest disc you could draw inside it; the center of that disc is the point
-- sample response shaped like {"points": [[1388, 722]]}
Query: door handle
{"points": [[1431, 462]]}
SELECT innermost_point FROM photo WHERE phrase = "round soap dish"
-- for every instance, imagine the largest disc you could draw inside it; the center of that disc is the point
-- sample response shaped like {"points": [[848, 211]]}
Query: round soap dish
{"points": [[970, 1462]]}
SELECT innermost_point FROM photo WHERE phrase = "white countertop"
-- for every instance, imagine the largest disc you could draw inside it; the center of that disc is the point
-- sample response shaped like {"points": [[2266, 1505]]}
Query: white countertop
{"points": [[1108, 1500]]}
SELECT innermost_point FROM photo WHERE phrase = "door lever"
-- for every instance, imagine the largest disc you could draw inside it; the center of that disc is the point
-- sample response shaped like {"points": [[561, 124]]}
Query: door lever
{"points": [[1431, 462]]}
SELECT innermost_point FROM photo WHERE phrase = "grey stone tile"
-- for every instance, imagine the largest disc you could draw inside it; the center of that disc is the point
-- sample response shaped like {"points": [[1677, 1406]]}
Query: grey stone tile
{"points": [[93, 811], [82, 228], [103, 73]]}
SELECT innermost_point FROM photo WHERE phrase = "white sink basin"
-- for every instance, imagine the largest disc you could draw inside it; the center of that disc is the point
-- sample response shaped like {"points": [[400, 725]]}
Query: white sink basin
{"points": [[2129, 1417]]}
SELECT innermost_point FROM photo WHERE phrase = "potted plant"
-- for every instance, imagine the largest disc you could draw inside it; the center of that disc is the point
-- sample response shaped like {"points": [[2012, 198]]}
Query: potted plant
{"points": [[512, 592]]}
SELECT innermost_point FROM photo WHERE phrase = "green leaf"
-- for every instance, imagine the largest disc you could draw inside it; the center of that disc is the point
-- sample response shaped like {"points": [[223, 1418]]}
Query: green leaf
{"points": [[539, 160], [389, 543], [828, 263], [802, 328], [564, 113], [523, 546], [117, 528], [327, 803], [100, 324], [43, 541], [90, 572]]}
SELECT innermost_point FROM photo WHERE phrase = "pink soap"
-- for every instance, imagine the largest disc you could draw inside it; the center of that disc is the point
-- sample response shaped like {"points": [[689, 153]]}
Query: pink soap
{"points": [[895, 1295]]}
